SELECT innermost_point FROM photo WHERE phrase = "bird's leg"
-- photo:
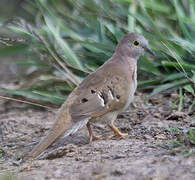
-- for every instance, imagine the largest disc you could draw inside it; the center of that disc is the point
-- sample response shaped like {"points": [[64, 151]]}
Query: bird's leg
{"points": [[117, 132], [91, 135], [90, 132]]}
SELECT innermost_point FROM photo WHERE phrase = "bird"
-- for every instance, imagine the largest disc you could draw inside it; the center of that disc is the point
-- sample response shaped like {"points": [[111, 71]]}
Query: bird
{"points": [[101, 96]]}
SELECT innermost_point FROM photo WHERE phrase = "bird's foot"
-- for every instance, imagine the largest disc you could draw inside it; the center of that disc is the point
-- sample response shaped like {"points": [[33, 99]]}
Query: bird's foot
{"points": [[93, 137], [97, 137], [117, 132], [116, 135]]}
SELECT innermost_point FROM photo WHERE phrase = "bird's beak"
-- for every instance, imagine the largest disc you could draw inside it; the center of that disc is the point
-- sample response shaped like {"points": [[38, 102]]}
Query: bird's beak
{"points": [[150, 51]]}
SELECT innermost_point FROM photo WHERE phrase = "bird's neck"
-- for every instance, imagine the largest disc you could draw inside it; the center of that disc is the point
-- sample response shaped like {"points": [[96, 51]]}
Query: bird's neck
{"points": [[128, 64], [125, 59]]}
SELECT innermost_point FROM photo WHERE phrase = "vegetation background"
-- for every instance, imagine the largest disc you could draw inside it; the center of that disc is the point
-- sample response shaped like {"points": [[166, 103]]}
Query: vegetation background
{"points": [[55, 44]]}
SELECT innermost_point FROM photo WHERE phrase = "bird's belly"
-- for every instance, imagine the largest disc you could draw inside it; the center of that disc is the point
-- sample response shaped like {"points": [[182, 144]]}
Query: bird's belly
{"points": [[132, 90], [107, 118]]}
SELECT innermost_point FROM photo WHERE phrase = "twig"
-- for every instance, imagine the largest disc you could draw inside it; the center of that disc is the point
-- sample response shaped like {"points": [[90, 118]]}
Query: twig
{"points": [[27, 102]]}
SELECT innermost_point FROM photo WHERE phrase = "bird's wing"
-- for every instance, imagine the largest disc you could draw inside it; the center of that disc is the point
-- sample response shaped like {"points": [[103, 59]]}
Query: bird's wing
{"points": [[97, 95]]}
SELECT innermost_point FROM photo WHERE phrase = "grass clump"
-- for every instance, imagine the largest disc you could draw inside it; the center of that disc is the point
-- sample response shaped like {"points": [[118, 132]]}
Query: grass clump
{"points": [[184, 141], [61, 42]]}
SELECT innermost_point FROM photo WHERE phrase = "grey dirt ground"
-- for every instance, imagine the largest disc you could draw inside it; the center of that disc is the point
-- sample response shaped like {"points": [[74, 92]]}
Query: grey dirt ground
{"points": [[144, 154]]}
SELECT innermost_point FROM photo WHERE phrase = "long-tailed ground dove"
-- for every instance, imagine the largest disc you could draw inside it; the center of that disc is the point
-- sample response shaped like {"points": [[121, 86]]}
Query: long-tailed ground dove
{"points": [[102, 95]]}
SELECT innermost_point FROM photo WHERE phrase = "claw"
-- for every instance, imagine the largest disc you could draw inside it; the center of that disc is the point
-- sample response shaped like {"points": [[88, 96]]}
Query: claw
{"points": [[117, 132], [91, 135]]}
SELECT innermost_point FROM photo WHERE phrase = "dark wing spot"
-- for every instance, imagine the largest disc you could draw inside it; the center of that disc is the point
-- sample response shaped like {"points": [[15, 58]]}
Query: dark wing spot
{"points": [[84, 100], [104, 96], [117, 96], [92, 91], [111, 90]]}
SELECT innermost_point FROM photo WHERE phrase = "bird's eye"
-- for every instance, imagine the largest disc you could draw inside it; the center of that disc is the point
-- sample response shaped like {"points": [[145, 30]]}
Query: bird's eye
{"points": [[136, 43]]}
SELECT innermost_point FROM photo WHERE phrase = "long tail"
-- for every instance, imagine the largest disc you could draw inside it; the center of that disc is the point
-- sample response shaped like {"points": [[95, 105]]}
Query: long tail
{"points": [[63, 122], [63, 125], [45, 143]]}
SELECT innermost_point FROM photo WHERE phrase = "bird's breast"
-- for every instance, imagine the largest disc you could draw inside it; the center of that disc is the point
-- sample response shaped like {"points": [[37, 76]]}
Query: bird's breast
{"points": [[132, 86]]}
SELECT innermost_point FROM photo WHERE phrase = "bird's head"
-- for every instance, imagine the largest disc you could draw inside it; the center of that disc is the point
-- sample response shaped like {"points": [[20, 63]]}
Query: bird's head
{"points": [[133, 45]]}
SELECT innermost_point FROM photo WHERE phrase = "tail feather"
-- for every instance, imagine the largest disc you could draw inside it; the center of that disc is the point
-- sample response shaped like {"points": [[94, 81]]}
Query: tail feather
{"points": [[53, 135], [63, 125], [76, 127], [63, 122], [45, 143]]}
